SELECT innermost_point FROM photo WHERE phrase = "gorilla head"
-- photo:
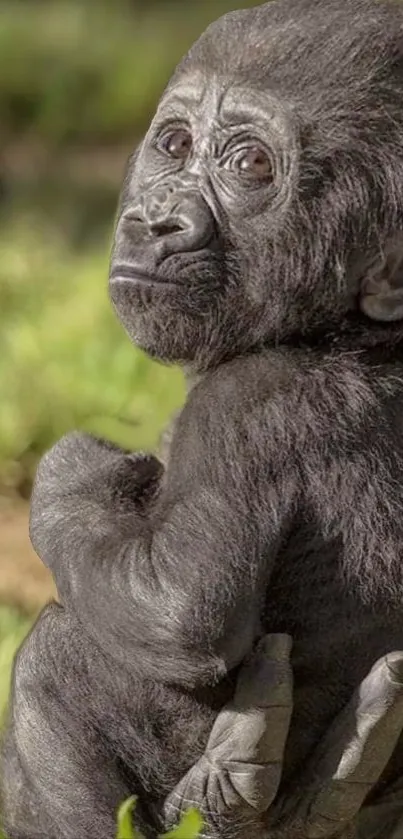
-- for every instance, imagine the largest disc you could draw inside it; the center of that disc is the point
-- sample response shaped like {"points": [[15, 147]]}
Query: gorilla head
{"points": [[265, 203]]}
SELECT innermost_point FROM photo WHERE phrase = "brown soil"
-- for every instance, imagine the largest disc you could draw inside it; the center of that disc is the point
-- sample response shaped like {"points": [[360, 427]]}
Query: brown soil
{"points": [[24, 581]]}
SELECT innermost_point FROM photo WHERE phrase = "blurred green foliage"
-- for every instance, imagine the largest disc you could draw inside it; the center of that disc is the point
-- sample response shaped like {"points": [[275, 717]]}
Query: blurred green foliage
{"points": [[84, 70], [13, 628], [73, 70], [65, 362], [79, 80]]}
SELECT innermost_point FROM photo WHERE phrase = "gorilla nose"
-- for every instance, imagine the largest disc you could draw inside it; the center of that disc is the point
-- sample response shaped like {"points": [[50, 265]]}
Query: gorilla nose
{"points": [[177, 222]]}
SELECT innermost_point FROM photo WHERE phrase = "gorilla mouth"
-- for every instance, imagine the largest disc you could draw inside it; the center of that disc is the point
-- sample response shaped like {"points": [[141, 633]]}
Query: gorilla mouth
{"points": [[133, 275]]}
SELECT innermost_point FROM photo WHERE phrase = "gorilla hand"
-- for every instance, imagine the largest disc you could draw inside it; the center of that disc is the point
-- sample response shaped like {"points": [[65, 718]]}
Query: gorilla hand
{"points": [[238, 777]]}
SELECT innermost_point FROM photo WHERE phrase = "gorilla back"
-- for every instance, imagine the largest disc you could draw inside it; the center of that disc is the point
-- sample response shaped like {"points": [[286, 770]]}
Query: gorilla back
{"points": [[260, 244]]}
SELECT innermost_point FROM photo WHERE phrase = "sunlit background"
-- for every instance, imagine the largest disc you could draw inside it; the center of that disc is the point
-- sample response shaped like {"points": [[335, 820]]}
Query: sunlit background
{"points": [[79, 80]]}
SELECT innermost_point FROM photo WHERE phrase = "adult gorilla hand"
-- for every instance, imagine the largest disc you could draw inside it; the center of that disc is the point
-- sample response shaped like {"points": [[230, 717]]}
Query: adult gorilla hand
{"points": [[237, 779]]}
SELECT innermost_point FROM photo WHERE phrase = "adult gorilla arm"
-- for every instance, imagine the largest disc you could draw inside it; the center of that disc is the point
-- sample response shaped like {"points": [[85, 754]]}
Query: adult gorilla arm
{"points": [[239, 774], [148, 543]]}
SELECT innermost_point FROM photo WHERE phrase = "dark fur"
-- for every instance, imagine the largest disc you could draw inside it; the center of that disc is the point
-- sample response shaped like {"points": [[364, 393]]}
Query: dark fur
{"points": [[280, 507]]}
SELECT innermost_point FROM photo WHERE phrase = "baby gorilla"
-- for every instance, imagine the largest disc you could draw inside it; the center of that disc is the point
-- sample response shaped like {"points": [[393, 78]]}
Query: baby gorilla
{"points": [[260, 245]]}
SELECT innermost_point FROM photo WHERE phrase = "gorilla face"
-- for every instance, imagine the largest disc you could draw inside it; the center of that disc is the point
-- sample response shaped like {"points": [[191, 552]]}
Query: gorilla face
{"points": [[261, 204], [203, 196]]}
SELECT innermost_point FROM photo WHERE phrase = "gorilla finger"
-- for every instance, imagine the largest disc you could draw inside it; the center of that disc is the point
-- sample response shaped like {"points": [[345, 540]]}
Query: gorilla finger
{"points": [[241, 768], [368, 731], [253, 727]]}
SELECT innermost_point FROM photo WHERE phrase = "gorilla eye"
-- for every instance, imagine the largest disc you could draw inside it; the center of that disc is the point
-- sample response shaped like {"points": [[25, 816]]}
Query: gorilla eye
{"points": [[255, 163], [177, 143]]}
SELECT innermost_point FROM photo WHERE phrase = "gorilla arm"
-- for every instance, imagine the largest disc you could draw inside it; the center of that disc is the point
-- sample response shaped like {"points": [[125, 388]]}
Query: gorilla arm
{"points": [[167, 570]]}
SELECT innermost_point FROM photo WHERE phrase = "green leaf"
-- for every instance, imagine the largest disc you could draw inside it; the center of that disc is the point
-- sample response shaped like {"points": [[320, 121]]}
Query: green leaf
{"points": [[125, 822], [189, 827]]}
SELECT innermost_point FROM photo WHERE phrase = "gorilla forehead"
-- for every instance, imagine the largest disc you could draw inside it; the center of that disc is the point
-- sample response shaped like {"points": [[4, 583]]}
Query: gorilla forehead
{"points": [[288, 45], [209, 97]]}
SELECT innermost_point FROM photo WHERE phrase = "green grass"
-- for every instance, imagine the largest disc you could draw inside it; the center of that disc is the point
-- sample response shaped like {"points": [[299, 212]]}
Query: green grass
{"points": [[65, 361]]}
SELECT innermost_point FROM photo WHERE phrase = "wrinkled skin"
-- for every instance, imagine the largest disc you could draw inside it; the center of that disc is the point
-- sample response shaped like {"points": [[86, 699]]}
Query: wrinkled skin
{"points": [[259, 243]]}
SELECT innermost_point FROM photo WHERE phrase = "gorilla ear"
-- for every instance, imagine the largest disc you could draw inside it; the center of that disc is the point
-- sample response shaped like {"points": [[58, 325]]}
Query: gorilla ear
{"points": [[382, 286]]}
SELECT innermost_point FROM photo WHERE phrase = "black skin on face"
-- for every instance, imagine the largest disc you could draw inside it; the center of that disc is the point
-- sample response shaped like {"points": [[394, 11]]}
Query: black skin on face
{"points": [[259, 243]]}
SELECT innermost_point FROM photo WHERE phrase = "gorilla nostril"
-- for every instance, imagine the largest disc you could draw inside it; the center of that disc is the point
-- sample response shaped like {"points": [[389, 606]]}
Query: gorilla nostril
{"points": [[159, 229]]}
